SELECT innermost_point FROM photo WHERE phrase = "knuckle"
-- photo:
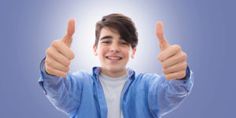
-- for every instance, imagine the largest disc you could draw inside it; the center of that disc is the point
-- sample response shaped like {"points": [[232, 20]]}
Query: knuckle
{"points": [[165, 71], [48, 69], [64, 69], [160, 57], [164, 65], [59, 73], [177, 47], [182, 74], [62, 74], [66, 63], [72, 55], [47, 61], [48, 51], [55, 43], [185, 65], [50, 62], [167, 77], [184, 55], [67, 69]]}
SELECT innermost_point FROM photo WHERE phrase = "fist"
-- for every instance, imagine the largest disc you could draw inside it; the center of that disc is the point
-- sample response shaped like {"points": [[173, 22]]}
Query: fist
{"points": [[59, 54], [172, 58]]}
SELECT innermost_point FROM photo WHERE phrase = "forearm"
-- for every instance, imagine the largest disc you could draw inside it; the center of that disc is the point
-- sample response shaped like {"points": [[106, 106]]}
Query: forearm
{"points": [[173, 92], [166, 95], [58, 90]]}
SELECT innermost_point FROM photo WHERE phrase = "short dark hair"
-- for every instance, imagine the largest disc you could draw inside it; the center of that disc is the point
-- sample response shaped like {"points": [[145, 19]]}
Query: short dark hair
{"points": [[122, 24]]}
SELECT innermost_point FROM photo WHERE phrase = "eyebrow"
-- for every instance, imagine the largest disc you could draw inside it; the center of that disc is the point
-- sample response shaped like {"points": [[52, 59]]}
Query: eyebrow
{"points": [[106, 37]]}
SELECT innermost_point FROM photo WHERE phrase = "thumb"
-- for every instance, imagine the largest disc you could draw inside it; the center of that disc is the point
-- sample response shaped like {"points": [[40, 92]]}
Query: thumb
{"points": [[69, 33], [163, 43]]}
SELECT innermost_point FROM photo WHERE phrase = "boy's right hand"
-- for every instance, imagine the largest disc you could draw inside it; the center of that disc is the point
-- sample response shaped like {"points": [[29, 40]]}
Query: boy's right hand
{"points": [[59, 54]]}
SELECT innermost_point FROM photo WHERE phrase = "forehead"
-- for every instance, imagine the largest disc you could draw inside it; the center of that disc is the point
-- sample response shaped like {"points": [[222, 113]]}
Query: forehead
{"points": [[106, 31]]}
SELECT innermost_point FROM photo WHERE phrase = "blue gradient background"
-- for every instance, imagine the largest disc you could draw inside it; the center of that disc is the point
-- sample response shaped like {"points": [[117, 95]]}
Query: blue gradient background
{"points": [[204, 28]]}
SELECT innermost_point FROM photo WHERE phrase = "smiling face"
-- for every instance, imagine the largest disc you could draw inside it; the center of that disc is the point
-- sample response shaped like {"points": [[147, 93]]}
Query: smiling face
{"points": [[113, 52]]}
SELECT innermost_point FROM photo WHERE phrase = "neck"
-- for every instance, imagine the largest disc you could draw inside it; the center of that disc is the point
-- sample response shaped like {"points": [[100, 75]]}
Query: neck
{"points": [[114, 74]]}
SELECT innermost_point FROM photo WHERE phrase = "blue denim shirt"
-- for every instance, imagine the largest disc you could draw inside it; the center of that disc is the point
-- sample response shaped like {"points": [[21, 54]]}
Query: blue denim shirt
{"points": [[145, 95]]}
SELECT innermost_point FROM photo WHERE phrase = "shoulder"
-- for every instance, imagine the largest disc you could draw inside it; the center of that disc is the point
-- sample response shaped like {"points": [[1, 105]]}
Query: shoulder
{"points": [[147, 78], [80, 77]]}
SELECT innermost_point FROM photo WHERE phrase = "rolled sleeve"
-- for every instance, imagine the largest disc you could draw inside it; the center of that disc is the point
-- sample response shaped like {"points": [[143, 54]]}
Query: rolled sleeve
{"points": [[183, 85], [63, 93], [44, 76], [167, 95]]}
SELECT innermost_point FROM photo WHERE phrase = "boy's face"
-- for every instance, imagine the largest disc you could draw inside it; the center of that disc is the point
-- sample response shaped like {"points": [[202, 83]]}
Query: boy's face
{"points": [[113, 51]]}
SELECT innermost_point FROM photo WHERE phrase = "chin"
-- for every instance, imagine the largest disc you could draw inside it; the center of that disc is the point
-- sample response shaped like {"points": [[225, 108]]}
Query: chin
{"points": [[114, 68]]}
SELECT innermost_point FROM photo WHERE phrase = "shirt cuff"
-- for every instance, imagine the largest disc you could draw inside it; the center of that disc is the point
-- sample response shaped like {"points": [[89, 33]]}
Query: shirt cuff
{"points": [[187, 76], [186, 82], [45, 75]]}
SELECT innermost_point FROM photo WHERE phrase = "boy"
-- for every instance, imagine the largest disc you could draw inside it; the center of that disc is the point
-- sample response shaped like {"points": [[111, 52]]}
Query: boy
{"points": [[112, 90]]}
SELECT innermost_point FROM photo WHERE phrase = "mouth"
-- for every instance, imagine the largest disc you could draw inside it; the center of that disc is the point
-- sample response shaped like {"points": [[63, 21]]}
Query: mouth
{"points": [[114, 58]]}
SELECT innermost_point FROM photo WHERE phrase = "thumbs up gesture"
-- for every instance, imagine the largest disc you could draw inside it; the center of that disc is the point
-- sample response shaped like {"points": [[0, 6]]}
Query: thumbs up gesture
{"points": [[172, 58], [59, 54]]}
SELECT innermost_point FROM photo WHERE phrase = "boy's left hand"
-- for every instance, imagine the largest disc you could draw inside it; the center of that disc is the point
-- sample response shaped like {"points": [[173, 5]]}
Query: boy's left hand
{"points": [[172, 58]]}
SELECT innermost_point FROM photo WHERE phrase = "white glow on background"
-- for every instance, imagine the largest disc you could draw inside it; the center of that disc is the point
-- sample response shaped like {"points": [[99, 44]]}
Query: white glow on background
{"points": [[85, 34]]}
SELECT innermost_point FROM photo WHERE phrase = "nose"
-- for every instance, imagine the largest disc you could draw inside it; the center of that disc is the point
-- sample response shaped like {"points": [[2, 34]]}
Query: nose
{"points": [[114, 47]]}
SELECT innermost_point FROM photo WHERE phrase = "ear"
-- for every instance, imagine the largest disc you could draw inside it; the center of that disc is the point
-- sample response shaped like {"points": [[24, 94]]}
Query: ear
{"points": [[95, 50], [133, 52]]}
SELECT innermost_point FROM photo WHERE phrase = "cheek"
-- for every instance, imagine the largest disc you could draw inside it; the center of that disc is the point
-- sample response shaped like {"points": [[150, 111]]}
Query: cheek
{"points": [[101, 51], [127, 53]]}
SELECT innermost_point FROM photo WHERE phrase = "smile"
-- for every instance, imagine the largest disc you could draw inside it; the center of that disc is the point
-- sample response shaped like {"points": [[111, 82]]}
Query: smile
{"points": [[114, 58]]}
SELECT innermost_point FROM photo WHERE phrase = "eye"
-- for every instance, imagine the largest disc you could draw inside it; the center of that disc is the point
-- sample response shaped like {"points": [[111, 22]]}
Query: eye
{"points": [[124, 43], [106, 42]]}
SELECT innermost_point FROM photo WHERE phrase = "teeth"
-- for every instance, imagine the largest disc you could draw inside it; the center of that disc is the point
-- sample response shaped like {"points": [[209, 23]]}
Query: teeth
{"points": [[114, 58]]}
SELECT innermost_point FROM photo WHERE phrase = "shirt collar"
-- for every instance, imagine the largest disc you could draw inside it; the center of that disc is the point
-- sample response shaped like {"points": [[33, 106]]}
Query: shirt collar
{"points": [[97, 71]]}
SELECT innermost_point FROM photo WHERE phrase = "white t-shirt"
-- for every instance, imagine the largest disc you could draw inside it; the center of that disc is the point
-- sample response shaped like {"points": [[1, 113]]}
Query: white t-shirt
{"points": [[112, 88]]}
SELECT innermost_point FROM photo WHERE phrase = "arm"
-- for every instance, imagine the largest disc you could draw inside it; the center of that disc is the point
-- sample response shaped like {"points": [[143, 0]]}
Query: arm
{"points": [[166, 95], [63, 93], [62, 89], [177, 82]]}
